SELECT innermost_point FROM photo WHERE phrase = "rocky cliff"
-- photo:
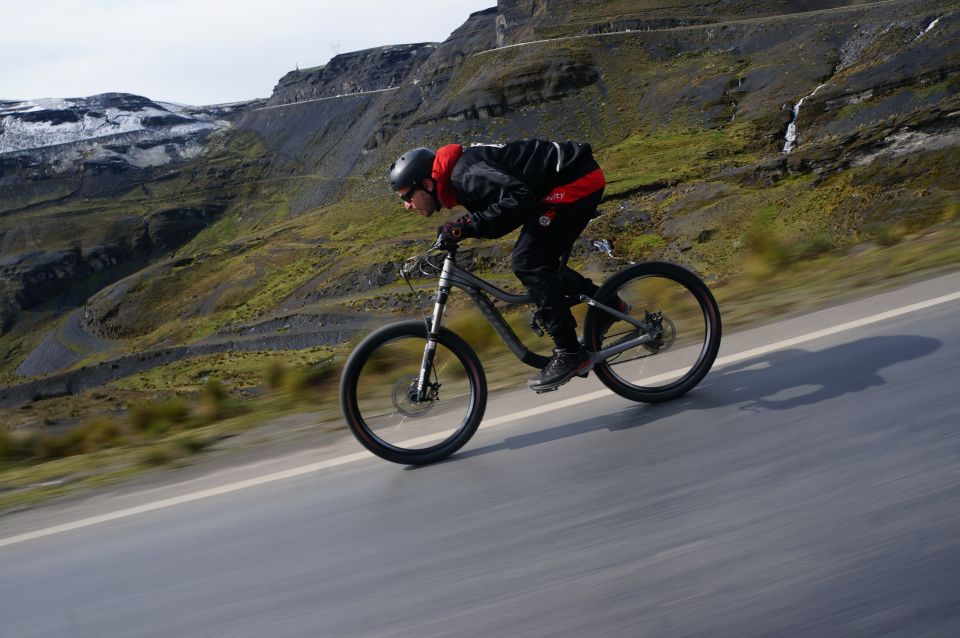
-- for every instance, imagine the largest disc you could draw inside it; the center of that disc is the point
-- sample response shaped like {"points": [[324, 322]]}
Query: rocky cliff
{"points": [[358, 72]]}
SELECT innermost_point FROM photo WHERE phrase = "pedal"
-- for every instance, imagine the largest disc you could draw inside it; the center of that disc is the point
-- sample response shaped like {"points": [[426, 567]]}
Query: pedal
{"points": [[546, 390]]}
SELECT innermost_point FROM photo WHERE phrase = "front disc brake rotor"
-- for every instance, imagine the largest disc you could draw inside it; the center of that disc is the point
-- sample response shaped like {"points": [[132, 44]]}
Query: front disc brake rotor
{"points": [[403, 400]]}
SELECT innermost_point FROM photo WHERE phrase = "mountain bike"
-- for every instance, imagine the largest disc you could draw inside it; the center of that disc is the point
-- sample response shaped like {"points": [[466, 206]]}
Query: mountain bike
{"points": [[414, 392]]}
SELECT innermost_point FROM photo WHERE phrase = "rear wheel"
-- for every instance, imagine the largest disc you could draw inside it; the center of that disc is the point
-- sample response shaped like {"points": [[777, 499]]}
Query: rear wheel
{"points": [[379, 400], [679, 316]]}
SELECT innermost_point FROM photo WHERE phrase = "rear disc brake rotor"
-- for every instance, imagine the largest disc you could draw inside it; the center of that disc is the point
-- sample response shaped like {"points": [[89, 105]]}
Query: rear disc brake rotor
{"points": [[666, 333]]}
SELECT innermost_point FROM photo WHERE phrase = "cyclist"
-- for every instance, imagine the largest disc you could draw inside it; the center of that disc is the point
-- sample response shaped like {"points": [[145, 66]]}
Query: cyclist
{"points": [[548, 189]]}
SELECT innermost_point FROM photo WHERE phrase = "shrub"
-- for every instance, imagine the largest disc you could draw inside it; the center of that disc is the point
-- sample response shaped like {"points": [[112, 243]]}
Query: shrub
{"points": [[194, 445], [888, 235], [159, 417], [809, 247], [91, 436], [14, 446], [100, 433], [766, 244], [275, 374], [322, 373], [951, 210], [155, 456], [213, 401], [6, 445], [295, 381], [299, 381], [213, 390], [46, 446], [767, 249]]}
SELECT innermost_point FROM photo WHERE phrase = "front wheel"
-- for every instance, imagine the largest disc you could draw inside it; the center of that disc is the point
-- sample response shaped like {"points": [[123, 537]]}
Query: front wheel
{"points": [[680, 319], [380, 402]]}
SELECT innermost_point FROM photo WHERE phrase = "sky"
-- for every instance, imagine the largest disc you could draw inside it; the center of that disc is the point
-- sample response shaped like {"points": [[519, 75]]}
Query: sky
{"points": [[198, 52]]}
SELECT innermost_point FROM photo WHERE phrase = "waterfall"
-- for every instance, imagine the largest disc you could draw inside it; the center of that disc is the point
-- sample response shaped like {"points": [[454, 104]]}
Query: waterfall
{"points": [[927, 30], [929, 27], [790, 140], [604, 246], [791, 137]]}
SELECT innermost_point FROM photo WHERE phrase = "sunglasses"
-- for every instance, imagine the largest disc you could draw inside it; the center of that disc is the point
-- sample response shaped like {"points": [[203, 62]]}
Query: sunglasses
{"points": [[408, 196]]}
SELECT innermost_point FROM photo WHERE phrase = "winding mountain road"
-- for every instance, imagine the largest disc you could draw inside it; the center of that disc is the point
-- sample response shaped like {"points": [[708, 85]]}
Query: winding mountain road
{"points": [[809, 487]]}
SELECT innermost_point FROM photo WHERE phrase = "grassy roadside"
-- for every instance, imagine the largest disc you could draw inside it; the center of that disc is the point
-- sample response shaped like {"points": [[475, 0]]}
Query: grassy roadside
{"points": [[760, 293], [29, 485]]}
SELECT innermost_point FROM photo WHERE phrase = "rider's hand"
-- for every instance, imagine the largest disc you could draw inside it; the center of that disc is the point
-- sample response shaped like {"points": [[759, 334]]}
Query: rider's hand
{"points": [[459, 229]]}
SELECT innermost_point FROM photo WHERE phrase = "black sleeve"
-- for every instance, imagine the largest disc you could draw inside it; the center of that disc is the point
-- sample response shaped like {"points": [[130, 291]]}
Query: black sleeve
{"points": [[512, 200]]}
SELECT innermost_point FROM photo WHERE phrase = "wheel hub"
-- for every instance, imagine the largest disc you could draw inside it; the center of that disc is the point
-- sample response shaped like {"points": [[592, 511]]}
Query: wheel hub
{"points": [[661, 330], [406, 399]]}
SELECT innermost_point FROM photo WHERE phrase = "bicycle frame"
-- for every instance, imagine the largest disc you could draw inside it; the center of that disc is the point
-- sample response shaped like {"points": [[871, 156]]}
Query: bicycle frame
{"points": [[452, 275]]}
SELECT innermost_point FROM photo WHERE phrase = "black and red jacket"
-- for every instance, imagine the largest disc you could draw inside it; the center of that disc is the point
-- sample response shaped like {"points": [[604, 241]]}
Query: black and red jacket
{"points": [[505, 185]]}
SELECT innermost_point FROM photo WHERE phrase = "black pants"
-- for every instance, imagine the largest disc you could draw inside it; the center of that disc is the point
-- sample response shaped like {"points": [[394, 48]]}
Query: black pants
{"points": [[536, 260]]}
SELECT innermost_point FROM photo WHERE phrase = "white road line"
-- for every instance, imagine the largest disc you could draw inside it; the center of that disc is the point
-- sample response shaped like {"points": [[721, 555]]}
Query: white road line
{"points": [[186, 498], [486, 425]]}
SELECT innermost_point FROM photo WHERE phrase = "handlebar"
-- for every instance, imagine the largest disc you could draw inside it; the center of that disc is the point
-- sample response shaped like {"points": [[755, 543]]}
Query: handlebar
{"points": [[412, 264]]}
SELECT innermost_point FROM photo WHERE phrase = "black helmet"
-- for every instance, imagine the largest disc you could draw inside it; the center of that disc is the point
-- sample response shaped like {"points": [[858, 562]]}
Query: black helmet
{"points": [[411, 168]]}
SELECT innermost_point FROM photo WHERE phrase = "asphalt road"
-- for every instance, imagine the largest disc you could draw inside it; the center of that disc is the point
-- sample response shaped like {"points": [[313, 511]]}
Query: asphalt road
{"points": [[811, 488]]}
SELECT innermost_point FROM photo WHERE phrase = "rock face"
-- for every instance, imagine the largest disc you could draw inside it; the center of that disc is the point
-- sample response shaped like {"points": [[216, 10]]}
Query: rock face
{"points": [[33, 278], [169, 229], [358, 72], [36, 275], [477, 34], [529, 80]]}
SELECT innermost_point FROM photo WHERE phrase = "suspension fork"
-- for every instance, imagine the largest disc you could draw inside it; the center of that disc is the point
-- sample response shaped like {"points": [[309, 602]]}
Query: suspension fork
{"points": [[433, 330]]}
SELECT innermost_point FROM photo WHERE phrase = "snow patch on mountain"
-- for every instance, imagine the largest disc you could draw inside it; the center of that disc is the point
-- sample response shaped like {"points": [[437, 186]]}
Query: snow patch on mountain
{"points": [[35, 124]]}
